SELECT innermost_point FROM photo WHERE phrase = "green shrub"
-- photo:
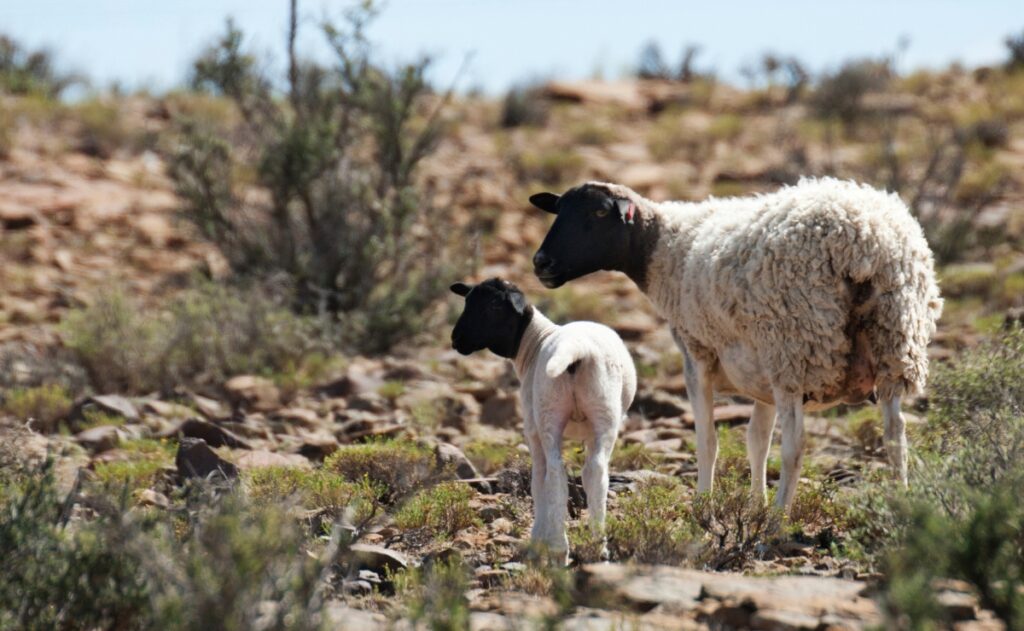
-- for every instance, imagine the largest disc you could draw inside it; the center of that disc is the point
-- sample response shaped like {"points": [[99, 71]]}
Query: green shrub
{"points": [[46, 405], [199, 337], [442, 509], [961, 517], [634, 457], [524, 106], [399, 467], [436, 595], [24, 72], [653, 525], [314, 489], [62, 578], [231, 561], [550, 166], [102, 129], [733, 525], [336, 157], [840, 94], [490, 457]]}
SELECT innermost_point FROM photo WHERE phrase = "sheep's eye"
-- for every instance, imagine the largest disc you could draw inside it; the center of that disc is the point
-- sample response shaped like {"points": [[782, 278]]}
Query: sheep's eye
{"points": [[601, 212]]}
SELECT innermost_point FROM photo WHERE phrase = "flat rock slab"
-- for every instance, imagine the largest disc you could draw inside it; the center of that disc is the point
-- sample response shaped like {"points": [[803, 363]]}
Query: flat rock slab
{"points": [[213, 435], [366, 556], [260, 459], [779, 602]]}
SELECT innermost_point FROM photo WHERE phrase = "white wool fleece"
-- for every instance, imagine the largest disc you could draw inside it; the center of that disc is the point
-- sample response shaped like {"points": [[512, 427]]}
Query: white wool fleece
{"points": [[760, 291], [578, 381]]}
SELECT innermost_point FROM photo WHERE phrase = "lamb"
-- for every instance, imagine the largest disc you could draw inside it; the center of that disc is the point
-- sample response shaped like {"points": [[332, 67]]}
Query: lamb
{"points": [[578, 380], [820, 293]]}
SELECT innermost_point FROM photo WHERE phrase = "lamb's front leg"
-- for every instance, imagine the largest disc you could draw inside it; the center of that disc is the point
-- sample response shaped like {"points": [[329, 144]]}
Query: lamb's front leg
{"points": [[701, 395], [555, 494], [595, 477], [790, 410]]}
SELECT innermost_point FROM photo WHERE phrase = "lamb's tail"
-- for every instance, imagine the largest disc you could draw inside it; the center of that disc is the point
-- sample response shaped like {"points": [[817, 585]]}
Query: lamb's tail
{"points": [[566, 355]]}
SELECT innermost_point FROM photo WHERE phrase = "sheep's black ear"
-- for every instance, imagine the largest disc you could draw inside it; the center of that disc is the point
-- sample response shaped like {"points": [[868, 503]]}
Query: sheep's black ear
{"points": [[460, 288], [545, 201]]}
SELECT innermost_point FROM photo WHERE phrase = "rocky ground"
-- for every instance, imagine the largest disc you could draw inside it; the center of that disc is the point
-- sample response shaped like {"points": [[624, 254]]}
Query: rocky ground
{"points": [[75, 225]]}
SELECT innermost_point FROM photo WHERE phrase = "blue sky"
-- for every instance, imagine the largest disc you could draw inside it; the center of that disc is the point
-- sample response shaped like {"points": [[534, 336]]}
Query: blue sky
{"points": [[150, 42]]}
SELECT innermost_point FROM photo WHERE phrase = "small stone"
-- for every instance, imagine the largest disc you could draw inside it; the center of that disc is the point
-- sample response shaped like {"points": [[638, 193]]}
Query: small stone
{"points": [[658, 404], [149, 497], [448, 455], [376, 558], [298, 416], [254, 393], [195, 459], [99, 439], [501, 410], [211, 434]]}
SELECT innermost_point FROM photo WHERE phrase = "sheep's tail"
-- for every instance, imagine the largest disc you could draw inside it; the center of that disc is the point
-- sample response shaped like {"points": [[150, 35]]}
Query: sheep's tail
{"points": [[567, 354]]}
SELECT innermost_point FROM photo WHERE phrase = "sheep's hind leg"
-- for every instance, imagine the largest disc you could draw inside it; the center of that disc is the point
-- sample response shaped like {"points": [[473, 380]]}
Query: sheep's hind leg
{"points": [[790, 409], [759, 441], [595, 481], [556, 489], [538, 474], [698, 389], [895, 436]]}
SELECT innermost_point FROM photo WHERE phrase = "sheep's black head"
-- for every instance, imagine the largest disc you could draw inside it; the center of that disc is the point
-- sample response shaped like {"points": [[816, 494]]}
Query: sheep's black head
{"points": [[594, 231], [495, 317]]}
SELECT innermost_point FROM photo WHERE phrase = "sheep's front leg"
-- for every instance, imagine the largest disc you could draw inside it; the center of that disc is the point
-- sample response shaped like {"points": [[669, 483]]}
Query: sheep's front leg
{"points": [[790, 409], [698, 389], [895, 429], [595, 479], [759, 441], [555, 494], [537, 477]]}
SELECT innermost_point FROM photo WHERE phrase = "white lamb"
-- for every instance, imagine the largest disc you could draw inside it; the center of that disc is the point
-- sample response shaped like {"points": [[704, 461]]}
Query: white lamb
{"points": [[819, 293], [578, 381]]}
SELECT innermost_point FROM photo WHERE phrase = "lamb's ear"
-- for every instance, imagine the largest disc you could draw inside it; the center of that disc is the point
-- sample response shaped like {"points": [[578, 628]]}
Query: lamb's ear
{"points": [[627, 210], [460, 288], [545, 201], [519, 302]]}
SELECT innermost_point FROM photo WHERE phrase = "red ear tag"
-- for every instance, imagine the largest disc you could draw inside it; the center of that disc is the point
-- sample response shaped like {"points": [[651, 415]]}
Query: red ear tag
{"points": [[629, 213]]}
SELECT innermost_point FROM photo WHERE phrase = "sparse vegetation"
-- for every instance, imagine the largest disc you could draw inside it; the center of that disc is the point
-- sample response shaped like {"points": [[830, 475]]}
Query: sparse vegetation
{"points": [[442, 509], [399, 467], [200, 337], [342, 211], [45, 405]]}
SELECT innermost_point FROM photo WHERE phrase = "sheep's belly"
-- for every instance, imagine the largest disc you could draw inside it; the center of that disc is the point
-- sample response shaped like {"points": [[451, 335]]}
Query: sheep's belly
{"points": [[738, 365]]}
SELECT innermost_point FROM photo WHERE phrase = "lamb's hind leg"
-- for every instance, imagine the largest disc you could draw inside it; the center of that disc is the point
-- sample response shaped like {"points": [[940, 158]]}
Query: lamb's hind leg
{"points": [[556, 489], [538, 474], [895, 431], [595, 477], [790, 409]]}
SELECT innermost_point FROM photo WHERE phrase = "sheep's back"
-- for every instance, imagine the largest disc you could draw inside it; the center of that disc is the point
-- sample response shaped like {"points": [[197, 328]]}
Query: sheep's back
{"points": [[775, 271]]}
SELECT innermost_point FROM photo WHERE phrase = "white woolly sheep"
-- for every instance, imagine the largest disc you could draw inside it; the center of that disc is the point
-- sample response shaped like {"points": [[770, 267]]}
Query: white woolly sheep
{"points": [[818, 293], [578, 381]]}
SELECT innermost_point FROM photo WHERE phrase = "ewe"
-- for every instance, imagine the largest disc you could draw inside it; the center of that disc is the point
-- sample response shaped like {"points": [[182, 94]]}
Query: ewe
{"points": [[578, 380], [820, 293]]}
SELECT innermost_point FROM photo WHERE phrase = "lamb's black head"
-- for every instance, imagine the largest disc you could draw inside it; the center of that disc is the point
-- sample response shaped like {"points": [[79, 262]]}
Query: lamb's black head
{"points": [[495, 316], [592, 232]]}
